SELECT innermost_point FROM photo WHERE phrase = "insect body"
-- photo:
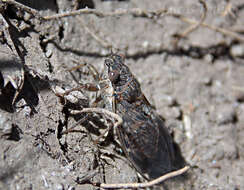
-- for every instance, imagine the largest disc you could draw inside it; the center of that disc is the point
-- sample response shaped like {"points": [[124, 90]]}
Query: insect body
{"points": [[144, 138]]}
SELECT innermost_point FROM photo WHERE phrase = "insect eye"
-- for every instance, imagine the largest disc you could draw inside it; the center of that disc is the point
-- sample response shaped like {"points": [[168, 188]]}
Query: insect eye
{"points": [[113, 76], [119, 58]]}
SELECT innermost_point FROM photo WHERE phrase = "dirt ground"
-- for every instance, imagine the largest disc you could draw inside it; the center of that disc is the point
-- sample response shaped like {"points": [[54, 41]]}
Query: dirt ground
{"points": [[195, 84]]}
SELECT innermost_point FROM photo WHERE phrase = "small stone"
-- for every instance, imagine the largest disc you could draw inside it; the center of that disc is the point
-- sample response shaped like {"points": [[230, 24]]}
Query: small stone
{"points": [[49, 53], [209, 58], [145, 44], [237, 50]]}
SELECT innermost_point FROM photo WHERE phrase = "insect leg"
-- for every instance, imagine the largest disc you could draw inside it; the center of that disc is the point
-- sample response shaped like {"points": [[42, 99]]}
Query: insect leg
{"points": [[88, 86], [104, 112]]}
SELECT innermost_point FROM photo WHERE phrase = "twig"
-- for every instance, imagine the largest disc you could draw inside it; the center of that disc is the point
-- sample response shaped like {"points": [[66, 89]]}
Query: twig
{"points": [[134, 12], [215, 28], [228, 9], [119, 12], [151, 15], [196, 25], [143, 185]]}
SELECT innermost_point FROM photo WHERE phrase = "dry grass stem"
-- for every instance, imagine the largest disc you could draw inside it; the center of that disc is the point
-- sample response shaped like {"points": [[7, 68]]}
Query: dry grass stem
{"points": [[119, 12], [196, 25], [134, 12], [211, 27], [152, 15], [143, 185]]}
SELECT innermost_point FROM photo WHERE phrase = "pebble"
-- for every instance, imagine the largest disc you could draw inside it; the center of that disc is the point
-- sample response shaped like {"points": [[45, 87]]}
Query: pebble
{"points": [[209, 58], [145, 44], [49, 53], [237, 50]]}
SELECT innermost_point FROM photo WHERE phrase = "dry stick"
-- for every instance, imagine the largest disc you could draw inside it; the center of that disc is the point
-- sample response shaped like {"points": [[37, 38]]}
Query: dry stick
{"points": [[135, 12], [119, 12], [148, 14], [195, 26], [215, 28], [228, 9], [143, 185]]}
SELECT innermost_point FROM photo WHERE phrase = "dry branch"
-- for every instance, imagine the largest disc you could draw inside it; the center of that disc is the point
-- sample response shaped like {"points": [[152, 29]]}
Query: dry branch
{"points": [[196, 25], [119, 12], [215, 28], [134, 12], [143, 185]]}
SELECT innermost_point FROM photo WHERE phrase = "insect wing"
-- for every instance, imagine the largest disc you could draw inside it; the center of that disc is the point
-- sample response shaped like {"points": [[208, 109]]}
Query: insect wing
{"points": [[146, 143]]}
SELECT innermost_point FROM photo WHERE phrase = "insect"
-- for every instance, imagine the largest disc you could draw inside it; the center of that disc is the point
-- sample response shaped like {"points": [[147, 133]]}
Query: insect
{"points": [[144, 138], [142, 135]]}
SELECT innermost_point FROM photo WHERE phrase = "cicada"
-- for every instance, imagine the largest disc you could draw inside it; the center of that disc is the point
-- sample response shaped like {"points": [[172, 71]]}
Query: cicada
{"points": [[143, 136]]}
